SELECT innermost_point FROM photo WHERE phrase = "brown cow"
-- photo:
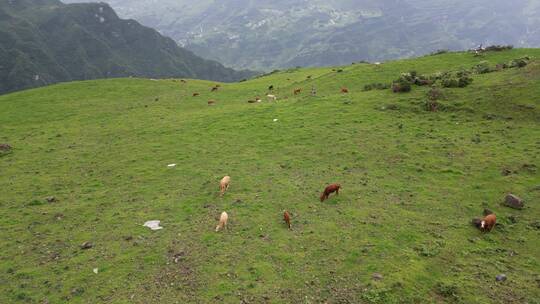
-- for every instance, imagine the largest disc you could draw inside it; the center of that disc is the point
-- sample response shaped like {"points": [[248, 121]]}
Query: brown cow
{"points": [[211, 102], [330, 189], [488, 222], [222, 221], [224, 184], [214, 89], [287, 218], [344, 90], [297, 91], [195, 94]]}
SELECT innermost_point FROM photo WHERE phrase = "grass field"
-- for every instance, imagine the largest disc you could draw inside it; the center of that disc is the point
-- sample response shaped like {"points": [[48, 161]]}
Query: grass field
{"points": [[412, 181]]}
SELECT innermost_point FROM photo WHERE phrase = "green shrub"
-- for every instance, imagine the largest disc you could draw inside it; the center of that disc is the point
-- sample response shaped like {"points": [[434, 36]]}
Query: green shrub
{"points": [[464, 81], [401, 86], [439, 52], [376, 86], [459, 79], [433, 95], [519, 63], [450, 83], [423, 80], [483, 68], [498, 48]]}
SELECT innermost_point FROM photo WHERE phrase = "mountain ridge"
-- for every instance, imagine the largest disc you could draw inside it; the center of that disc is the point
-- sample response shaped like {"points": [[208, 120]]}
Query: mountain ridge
{"points": [[47, 41], [278, 34]]}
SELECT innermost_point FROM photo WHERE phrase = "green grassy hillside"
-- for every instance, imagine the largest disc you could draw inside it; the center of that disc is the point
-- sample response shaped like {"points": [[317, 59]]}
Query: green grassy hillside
{"points": [[412, 181]]}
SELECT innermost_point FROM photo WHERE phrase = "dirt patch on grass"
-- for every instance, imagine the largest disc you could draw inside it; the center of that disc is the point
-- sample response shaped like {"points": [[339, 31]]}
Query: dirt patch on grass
{"points": [[177, 279]]}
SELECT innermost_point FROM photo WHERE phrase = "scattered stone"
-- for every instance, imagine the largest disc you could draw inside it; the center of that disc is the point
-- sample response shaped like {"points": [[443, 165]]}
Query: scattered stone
{"points": [[95, 270], [171, 165], [377, 276], [529, 167], [128, 238], [77, 291], [501, 277], [506, 172], [535, 225], [86, 245], [513, 201], [51, 199], [178, 256]]}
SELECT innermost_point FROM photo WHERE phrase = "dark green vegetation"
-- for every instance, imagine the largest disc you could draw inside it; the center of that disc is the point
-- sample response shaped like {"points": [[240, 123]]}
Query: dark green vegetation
{"points": [[263, 34], [44, 42], [412, 181]]}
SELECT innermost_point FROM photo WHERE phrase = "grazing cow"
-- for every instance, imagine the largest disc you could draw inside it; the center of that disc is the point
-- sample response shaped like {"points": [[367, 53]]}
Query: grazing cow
{"points": [[287, 218], [271, 88], [251, 101], [182, 81], [330, 189], [271, 97], [344, 90], [224, 184], [214, 89], [211, 102], [195, 94], [488, 222], [308, 77], [297, 91], [222, 221]]}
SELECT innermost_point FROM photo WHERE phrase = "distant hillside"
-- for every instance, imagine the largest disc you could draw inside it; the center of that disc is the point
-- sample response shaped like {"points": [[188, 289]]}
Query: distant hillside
{"points": [[266, 34], [46, 41]]}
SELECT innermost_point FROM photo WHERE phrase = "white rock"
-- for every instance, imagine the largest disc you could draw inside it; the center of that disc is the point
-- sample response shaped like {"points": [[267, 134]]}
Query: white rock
{"points": [[96, 270], [154, 225]]}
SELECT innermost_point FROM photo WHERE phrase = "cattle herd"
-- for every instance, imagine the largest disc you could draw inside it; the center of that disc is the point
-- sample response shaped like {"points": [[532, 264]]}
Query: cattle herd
{"points": [[271, 97], [485, 224], [224, 186]]}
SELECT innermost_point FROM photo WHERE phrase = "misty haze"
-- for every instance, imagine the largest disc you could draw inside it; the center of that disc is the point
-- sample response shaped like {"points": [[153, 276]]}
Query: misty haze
{"points": [[276, 34]]}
